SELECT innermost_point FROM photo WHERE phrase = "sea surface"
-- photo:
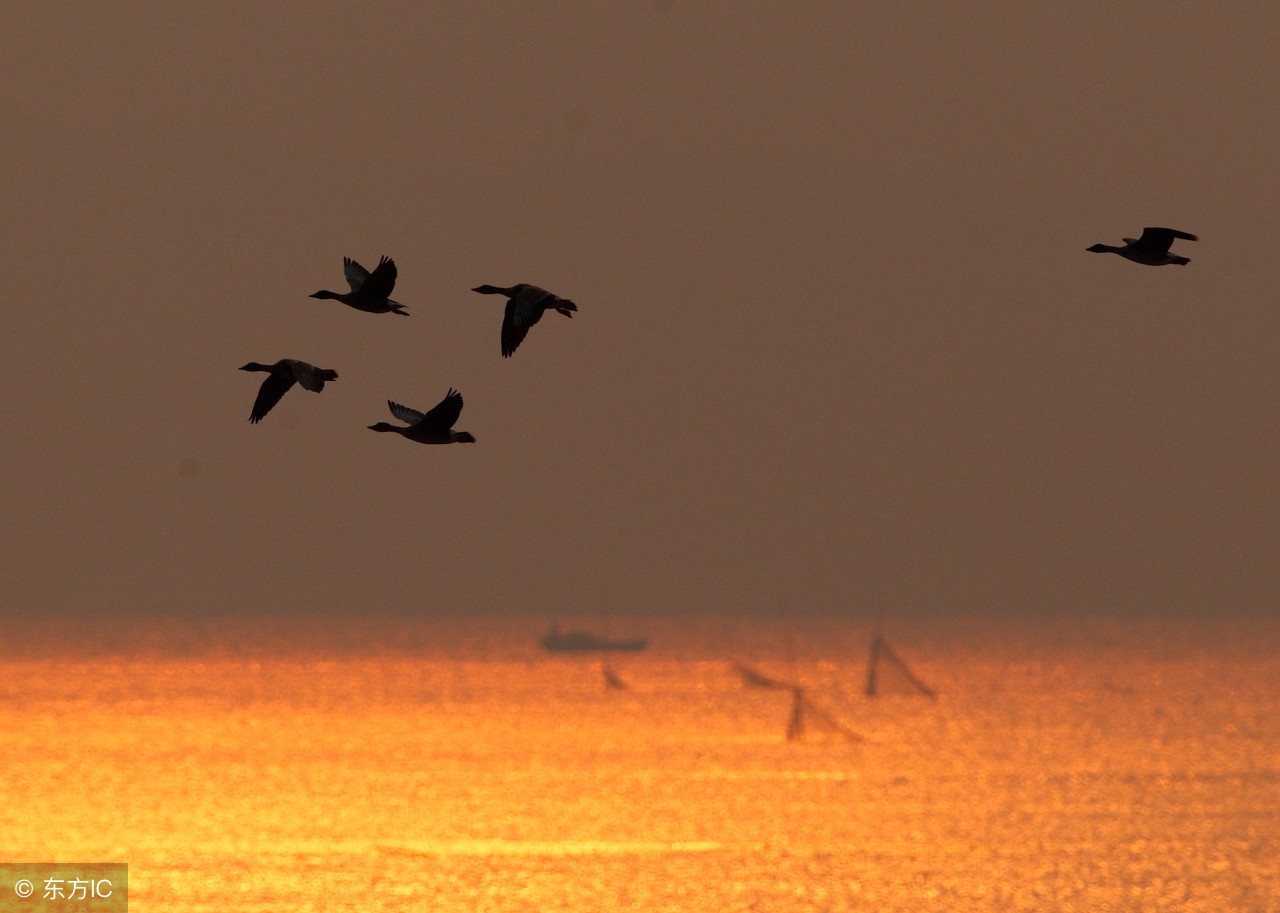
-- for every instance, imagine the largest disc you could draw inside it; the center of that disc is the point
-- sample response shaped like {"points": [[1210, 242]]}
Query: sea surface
{"points": [[1067, 765]]}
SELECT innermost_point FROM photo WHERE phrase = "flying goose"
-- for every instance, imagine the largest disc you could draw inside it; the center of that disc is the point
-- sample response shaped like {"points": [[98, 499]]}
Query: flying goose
{"points": [[436, 427], [369, 291], [283, 375], [524, 308], [1152, 249]]}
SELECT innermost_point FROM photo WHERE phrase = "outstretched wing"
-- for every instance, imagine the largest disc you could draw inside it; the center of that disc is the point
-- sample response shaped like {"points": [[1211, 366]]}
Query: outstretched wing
{"points": [[382, 280], [355, 273], [1160, 239], [1173, 233], [446, 412], [523, 311], [272, 389], [405, 414], [512, 335]]}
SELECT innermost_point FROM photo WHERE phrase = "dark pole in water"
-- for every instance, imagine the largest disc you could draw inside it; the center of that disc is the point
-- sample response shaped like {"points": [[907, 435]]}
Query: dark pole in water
{"points": [[872, 663], [795, 725]]}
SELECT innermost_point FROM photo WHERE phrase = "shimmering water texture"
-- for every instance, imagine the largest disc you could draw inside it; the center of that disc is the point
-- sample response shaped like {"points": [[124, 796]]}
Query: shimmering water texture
{"points": [[1062, 767]]}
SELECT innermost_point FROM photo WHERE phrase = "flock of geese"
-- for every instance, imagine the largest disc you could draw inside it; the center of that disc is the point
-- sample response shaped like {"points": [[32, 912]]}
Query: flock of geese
{"points": [[371, 292], [526, 304]]}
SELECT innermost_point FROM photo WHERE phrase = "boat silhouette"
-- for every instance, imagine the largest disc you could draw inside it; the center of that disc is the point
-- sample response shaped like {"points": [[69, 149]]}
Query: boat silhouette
{"points": [[582, 642]]}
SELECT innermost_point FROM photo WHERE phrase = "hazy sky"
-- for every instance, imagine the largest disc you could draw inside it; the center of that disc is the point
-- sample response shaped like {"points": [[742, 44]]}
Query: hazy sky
{"points": [[840, 347]]}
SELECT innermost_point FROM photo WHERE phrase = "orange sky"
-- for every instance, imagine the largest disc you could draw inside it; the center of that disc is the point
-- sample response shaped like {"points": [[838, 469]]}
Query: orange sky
{"points": [[839, 347]]}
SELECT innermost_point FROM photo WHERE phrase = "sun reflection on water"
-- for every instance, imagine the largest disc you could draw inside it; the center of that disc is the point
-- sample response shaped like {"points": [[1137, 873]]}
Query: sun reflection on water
{"points": [[1070, 776]]}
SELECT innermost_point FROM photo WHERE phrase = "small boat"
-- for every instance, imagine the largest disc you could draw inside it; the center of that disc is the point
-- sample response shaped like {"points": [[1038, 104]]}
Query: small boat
{"points": [[582, 642]]}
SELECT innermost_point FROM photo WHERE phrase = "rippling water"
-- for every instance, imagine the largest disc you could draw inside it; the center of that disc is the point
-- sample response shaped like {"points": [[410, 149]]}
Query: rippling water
{"points": [[1085, 766]]}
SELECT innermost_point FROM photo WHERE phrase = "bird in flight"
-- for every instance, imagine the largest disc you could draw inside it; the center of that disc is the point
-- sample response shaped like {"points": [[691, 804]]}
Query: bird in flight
{"points": [[283, 375], [369, 291], [1152, 249], [436, 427], [525, 305]]}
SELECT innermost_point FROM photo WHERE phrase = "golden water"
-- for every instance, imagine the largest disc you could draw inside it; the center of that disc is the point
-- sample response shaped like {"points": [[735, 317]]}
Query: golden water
{"points": [[1064, 767]]}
